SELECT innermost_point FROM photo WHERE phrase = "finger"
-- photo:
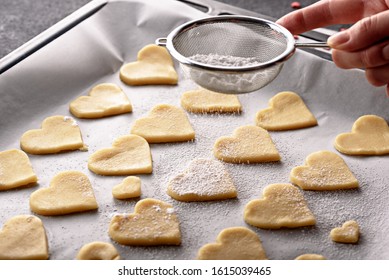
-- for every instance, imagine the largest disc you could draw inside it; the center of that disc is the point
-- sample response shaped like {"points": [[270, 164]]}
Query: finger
{"points": [[374, 56], [378, 76], [323, 13], [364, 33]]}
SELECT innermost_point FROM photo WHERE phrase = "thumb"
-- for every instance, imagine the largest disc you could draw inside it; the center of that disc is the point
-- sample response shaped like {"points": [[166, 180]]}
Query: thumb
{"points": [[363, 34]]}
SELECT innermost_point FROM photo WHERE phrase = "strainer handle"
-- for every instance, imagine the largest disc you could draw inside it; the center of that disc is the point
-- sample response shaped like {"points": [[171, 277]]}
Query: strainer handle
{"points": [[161, 42], [312, 45]]}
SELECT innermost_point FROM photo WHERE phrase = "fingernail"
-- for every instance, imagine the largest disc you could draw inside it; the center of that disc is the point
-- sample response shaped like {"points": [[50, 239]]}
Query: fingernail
{"points": [[338, 39], [385, 52]]}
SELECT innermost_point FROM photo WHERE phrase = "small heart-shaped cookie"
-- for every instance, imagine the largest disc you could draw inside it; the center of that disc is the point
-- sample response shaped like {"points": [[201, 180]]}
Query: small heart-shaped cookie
{"points": [[323, 171], [98, 251], [154, 222], [237, 243], [348, 233], [23, 238], [69, 192], [206, 101], [58, 133], [282, 205], [310, 257], [286, 111], [103, 100], [203, 180], [369, 136], [129, 155], [164, 123], [15, 170], [154, 67], [249, 144], [129, 188]]}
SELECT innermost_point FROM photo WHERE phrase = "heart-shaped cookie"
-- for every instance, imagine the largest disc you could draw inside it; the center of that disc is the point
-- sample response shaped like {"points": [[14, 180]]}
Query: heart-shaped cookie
{"points": [[310, 257], [129, 188], [282, 205], [129, 155], [153, 222], [69, 192], [369, 136], [348, 233], [206, 101], [98, 251], [203, 180], [23, 237], [58, 133], [15, 170], [286, 111], [249, 144], [236, 243], [103, 100], [323, 171], [153, 67], [164, 123]]}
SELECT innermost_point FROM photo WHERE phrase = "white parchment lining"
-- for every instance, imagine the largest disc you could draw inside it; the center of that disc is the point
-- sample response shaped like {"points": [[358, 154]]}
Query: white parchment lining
{"points": [[93, 52]]}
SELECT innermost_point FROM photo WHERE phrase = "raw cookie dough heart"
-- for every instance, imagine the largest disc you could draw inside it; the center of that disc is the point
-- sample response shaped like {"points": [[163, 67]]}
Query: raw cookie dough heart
{"points": [[69, 192], [323, 171], [103, 100], [15, 170], [203, 180], [58, 133], [310, 257], [369, 136], [282, 205], [206, 101], [98, 251], [249, 144], [286, 111], [154, 222], [129, 188], [237, 243], [154, 67], [164, 123], [129, 155], [23, 237], [348, 233]]}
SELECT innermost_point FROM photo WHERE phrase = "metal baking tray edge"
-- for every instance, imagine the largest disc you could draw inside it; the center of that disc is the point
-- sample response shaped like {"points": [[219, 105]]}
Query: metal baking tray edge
{"points": [[50, 34]]}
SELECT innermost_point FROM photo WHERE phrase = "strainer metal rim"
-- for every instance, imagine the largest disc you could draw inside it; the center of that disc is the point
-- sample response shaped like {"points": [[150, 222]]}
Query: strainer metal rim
{"points": [[289, 51]]}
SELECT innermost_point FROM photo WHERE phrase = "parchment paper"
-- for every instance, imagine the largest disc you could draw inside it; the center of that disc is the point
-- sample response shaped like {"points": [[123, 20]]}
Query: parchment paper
{"points": [[93, 52]]}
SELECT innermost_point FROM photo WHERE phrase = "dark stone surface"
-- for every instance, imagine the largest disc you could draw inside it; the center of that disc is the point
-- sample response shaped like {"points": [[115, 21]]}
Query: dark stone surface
{"points": [[22, 20], [274, 8]]}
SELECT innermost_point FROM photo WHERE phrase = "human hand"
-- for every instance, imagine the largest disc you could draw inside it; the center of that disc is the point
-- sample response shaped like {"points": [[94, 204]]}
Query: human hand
{"points": [[364, 45]]}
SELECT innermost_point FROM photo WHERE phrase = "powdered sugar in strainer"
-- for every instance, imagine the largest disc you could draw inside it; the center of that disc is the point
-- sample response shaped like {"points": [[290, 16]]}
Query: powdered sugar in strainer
{"points": [[232, 54]]}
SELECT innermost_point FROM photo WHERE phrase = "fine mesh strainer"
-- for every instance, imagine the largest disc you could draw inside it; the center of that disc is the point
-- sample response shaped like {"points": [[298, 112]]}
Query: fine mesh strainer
{"points": [[231, 54]]}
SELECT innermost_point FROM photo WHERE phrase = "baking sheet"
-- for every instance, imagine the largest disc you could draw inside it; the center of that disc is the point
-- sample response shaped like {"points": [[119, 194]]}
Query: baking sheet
{"points": [[43, 85]]}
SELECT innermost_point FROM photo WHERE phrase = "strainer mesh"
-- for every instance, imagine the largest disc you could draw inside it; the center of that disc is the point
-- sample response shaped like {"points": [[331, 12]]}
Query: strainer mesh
{"points": [[257, 41]]}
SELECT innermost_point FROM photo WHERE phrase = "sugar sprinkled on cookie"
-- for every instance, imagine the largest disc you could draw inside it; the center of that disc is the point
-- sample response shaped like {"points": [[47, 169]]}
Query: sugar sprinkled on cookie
{"points": [[151, 224], [203, 180]]}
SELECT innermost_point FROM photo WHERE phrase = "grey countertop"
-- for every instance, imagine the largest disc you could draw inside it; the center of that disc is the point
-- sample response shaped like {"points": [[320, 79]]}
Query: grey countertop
{"points": [[21, 20]]}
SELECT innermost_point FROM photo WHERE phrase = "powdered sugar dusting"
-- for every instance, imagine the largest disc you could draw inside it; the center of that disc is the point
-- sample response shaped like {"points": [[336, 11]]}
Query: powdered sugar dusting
{"points": [[203, 178], [326, 176], [224, 60], [67, 118], [157, 208]]}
